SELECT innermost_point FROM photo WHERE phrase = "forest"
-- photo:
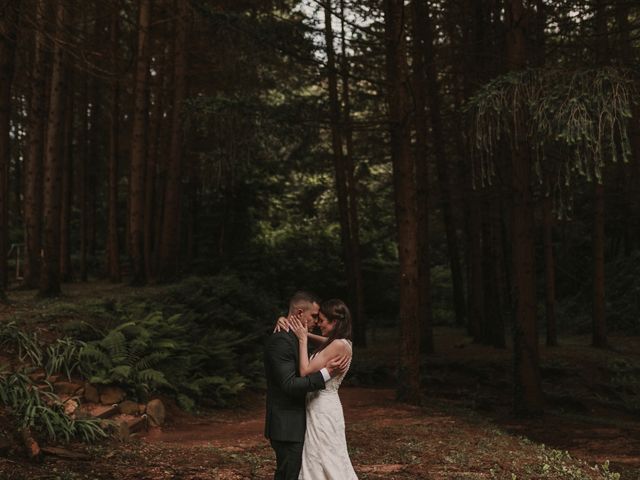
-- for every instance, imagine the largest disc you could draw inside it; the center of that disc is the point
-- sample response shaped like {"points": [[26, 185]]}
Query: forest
{"points": [[464, 174]]}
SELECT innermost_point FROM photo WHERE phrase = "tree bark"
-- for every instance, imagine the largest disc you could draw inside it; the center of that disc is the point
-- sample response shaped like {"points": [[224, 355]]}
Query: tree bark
{"points": [[82, 177], [113, 248], [419, 13], [549, 271], [8, 23], [67, 190], [599, 320], [33, 159], [337, 143], [139, 147], [405, 201], [528, 398], [357, 283], [50, 274], [169, 258], [442, 166], [599, 339]]}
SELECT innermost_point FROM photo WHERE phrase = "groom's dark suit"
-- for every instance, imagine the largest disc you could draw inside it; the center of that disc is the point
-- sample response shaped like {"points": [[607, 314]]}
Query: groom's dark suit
{"points": [[286, 420]]}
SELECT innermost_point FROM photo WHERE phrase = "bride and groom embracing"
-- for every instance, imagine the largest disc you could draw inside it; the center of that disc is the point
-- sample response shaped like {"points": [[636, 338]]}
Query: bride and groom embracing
{"points": [[304, 420]]}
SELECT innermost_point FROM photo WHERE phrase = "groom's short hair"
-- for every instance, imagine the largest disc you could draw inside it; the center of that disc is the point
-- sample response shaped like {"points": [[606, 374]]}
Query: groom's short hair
{"points": [[302, 300]]}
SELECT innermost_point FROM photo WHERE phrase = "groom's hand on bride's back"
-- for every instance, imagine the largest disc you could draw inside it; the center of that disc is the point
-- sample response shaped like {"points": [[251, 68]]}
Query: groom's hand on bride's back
{"points": [[338, 364]]}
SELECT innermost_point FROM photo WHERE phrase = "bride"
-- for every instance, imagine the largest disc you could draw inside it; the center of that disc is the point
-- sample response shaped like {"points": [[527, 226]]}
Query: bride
{"points": [[325, 455]]}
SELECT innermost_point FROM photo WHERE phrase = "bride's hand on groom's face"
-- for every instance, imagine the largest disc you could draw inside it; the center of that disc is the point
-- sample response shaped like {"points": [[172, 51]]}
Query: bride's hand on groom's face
{"points": [[298, 328]]}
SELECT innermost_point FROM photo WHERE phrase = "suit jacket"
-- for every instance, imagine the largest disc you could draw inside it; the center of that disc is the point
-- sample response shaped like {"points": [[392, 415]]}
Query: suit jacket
{"points": [[286, 391]]}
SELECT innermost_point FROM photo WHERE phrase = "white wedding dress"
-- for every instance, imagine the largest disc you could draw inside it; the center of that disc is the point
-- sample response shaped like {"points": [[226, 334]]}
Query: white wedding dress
{"points": [[325, 455]]}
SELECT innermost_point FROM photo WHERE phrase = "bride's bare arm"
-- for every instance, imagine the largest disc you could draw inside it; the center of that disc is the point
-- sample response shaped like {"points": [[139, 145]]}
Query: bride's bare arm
{"points": [[319, 339], [320, 361]]}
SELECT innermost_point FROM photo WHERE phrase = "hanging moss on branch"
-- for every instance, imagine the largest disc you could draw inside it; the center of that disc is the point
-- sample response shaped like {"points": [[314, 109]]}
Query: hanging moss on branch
{"points": [[583, 114]]}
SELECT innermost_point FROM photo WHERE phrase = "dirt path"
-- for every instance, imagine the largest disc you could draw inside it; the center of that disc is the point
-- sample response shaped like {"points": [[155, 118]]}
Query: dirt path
{"points": [[390, 441]]}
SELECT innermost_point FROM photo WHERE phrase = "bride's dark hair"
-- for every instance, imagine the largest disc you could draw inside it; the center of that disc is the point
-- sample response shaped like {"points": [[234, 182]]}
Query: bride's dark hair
{"points": [[336, 311]]}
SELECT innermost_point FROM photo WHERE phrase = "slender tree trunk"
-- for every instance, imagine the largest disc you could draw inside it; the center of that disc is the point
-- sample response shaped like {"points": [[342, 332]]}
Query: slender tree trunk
{"points": [[528, 389], [151, 195], [549, 271], [139, 147], [599, 339], [94, 167], [358, 311], [419, 13], [83, 164], [405, 201], [442, 166], [8, 22], [337, 142], [113, 249], [599, 324], [473, 41], [33, 158], [169, 258], [632, 176], [50, 275], [67, 190], [192, 219]]}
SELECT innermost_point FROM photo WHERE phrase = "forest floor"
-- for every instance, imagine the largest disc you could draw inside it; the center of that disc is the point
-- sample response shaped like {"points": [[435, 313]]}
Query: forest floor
{"points": [[464, 428]]}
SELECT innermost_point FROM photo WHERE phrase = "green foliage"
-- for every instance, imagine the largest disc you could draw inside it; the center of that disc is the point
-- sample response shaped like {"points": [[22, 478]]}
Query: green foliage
{"points": [[27, 344], [62, 356], [625, 379], [558, 464], [622, 277], [41, 410]]}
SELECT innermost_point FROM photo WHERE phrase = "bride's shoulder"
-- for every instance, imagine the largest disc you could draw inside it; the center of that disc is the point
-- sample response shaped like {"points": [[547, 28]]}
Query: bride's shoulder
{"points": [[341, 346]]}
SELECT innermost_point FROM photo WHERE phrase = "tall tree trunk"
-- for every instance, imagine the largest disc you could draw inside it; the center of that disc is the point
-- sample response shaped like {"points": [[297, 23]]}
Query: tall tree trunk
{"points": [[67, 190], [549, 272], [169, 257], [599, 325], [83, 166], [357, 288], [405, 201], [96, 135], [528, 390], [192, 211], [598, 240], [442, 166], [113, 249], [8, 22], [50, 274], [151, 195], [337, 141], [473, 41], [419, 13], [632, 178], [139, 147], [33, 159], [547, 206]]}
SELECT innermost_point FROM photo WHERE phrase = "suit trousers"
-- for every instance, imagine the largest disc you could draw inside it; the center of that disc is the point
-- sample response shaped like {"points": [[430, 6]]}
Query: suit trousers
{"points": [[288, 459]]}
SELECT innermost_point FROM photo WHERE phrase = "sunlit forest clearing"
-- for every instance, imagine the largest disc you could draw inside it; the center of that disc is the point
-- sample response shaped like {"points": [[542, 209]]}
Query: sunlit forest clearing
{"points": [[464, 174]]}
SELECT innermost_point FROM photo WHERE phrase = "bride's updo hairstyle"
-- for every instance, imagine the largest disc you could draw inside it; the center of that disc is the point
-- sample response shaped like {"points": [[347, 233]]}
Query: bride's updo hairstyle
{"points": [[336, 311]]}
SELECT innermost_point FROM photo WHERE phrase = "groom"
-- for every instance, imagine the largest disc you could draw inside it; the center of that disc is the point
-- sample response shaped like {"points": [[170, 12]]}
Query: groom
{"points": [[286, 421]]}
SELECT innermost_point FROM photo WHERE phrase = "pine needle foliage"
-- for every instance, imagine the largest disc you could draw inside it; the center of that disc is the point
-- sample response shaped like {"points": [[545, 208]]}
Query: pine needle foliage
{"points": [[571, 121]]}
